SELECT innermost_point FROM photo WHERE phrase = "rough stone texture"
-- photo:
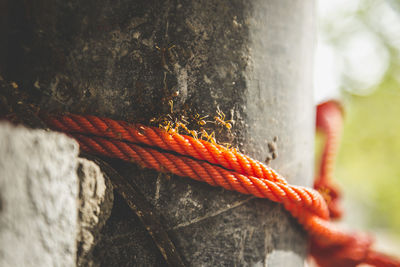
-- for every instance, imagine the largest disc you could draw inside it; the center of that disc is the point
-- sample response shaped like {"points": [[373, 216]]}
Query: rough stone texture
{"points": [[252, 59], [279, 100], [38, 192], [95, 203]]}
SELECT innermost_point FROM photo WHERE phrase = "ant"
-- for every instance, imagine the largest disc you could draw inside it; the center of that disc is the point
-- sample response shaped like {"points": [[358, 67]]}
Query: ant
{"points": [[168, 127], [220, 119], [175, 93], [194, 134], [200, 120], [183, 126], [208, 137], [161, 119], [165, 56]]}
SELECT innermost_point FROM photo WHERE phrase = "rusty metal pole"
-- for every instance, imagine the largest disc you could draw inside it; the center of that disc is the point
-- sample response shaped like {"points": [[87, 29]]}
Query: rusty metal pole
{"points": [[127, 59]]}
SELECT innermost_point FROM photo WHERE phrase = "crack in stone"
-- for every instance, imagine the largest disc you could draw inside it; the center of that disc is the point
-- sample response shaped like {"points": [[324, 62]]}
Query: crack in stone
{"points": [[213, 214]]}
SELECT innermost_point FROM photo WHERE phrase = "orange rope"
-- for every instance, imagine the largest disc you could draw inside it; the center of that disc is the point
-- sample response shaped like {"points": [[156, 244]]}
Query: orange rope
{"points": [[182, 144], [218, 166], [329, 122], [294, 198]]}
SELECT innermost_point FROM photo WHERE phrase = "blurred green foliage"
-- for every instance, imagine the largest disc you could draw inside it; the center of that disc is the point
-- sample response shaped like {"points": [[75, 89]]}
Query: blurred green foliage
{"points": [[368, 165], [369, 159]]}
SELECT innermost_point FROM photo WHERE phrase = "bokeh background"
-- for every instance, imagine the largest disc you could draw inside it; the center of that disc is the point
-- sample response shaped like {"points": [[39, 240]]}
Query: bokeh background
{"points": [[358, 62]]}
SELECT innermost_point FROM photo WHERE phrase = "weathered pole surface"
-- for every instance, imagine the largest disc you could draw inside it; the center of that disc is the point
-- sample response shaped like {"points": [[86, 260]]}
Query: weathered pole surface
{"points": [[127, 59]]}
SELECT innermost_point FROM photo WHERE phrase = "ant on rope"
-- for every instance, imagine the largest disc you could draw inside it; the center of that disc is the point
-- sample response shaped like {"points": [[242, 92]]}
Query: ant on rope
{"points": [[174, 122], [208, 137], [183, 126]]}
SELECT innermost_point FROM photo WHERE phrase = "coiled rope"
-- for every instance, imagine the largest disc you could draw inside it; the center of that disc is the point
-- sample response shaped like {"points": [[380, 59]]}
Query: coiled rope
{"points": [[216, 165]]}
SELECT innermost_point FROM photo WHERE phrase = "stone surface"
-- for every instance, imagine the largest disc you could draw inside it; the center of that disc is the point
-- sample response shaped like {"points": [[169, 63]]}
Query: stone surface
{"points": [[95, 203], [38, 192], [126, 59]]}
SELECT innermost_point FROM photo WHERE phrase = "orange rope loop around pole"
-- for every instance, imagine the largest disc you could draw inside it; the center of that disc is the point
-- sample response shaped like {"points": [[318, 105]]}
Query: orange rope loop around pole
{"points": [[216, 165], [329, 122]]}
